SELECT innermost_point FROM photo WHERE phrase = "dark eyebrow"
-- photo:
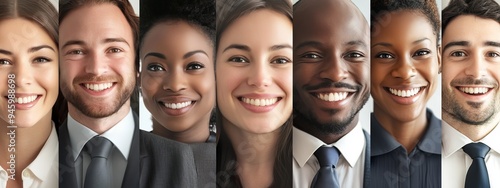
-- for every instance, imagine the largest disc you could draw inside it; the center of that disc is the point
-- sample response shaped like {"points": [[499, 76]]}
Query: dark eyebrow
{"points": [[36, 48], [492, 43], [456, 43], [189, 54], [109, 40], [307, 43], [279, 47], [5, 52], [155, 54], [72, 42], [237, 46]]}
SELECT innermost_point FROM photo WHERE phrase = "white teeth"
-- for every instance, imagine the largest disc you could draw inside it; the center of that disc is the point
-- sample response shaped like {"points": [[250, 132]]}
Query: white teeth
{"points": [[404, 93], [178, 105], [24, 100], [259, 102], [330, 97], [474, 90], [98, 87]]}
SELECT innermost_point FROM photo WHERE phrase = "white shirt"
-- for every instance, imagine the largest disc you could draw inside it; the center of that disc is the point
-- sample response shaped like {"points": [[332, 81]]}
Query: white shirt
{"points": [[455, 162], [43, 172], [349, 169], [120, 135]]}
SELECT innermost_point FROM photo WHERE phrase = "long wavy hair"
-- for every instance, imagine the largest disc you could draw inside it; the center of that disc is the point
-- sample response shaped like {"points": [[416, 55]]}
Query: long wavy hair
{"points": [[227, 12]]}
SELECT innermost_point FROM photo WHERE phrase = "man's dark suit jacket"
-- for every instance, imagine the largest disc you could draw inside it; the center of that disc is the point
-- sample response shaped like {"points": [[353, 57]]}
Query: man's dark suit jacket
{"points": [[67, 175]]}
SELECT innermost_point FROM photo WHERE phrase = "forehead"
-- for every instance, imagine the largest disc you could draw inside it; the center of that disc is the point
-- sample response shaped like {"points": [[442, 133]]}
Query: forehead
{"points": [[18, 33], [472, 29], [95, 21], [334, 21], [408, 25]]}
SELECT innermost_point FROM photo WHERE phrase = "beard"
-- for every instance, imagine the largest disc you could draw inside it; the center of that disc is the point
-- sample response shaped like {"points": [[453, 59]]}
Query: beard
{"points": [[98, 108], [333, 126], [473, 113]]}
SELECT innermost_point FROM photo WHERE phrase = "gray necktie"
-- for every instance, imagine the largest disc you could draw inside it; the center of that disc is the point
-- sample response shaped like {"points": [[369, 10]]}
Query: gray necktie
{"points": [[326, 176], [477, 175], [98, 175]]}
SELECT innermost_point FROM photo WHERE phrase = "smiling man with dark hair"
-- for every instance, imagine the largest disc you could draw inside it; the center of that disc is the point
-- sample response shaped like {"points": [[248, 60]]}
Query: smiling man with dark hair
{"points": [[471, 96]]}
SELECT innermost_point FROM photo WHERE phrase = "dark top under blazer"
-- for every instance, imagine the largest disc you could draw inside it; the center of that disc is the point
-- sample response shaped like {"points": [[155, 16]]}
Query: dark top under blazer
{"points": [[391, 166], [168, 163], [67, 175]]}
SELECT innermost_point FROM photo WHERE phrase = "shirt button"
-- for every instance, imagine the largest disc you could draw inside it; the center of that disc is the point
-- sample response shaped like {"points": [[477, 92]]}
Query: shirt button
{"points": [[26, 174]]}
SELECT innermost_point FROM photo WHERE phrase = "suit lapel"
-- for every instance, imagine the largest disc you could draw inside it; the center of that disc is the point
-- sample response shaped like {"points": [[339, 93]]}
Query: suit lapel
{"points": [[131, 177], [67, 175]]}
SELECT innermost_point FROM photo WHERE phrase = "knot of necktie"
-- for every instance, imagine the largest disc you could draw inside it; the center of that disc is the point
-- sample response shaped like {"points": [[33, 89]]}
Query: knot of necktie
{"points": [[476, 150], [327, 156], [99, 146]]}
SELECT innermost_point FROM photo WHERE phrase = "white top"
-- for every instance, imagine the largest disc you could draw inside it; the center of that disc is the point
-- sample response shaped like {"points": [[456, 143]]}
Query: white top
{"points": [[120, 135], [43, 172], [455, 162], [350, 167]]}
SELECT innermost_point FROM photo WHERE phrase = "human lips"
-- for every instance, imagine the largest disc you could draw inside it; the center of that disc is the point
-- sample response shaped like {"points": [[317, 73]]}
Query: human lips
{"points": [[474, 90], [178, 105], [332, 96], [404, 92], [98, 86], [259, 102]]}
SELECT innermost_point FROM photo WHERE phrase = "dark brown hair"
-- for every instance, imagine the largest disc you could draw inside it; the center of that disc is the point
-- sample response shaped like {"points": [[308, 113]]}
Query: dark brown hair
{"points": [[427, 7], [487, 9], [227, 12]]}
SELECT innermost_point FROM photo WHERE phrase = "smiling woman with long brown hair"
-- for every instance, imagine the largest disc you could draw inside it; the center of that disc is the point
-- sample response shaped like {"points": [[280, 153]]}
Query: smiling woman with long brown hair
{"points": [[29, 63]]}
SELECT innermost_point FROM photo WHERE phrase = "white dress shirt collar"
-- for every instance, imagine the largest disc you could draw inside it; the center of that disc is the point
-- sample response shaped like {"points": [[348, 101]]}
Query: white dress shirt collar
{"points": [[305, 145], [120, 135], [453, 140], [43, 162]]}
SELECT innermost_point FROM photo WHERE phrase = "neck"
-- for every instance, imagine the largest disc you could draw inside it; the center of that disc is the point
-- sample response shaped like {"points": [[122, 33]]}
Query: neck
{"points": [[327, 137], [407, 133], [99, 125], [195, 134], [27, 144], [255, 154], [473, 132]]}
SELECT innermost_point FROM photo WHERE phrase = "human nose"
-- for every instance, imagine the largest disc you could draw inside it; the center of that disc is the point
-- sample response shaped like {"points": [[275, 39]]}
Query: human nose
{"points": [[335, 69], [260, 76], [174, 81], [404, 69], [96, 64]]}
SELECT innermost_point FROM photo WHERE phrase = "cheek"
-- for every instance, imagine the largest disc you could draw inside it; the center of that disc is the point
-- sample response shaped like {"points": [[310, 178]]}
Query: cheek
{"points": [[228, 79], [49, 80], [204, 85], [361, 73], [150, 85]]}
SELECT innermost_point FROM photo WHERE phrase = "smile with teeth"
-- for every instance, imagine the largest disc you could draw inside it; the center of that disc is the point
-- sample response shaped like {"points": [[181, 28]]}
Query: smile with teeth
{"points": [[98, 87], [24, 100], [259, 102], [178, 105], [474, 90], [404, 93], [331, 97]]}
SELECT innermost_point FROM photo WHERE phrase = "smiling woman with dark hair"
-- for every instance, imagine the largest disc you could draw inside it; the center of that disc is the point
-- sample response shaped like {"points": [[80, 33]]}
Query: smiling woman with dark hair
{"points": [[405, 60], [254, 93], [29, 63]]}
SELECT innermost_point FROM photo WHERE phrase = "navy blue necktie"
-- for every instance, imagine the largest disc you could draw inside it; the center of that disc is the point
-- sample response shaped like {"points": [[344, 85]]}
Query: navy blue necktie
{"points": [[326, 176], [98, 175], [477, 175]]}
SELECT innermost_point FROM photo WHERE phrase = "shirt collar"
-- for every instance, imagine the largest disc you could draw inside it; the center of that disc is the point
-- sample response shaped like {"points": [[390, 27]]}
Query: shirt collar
{"points": [[350, 145], [383, 142], [120, 135], [45, 159], [452, 140]]}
